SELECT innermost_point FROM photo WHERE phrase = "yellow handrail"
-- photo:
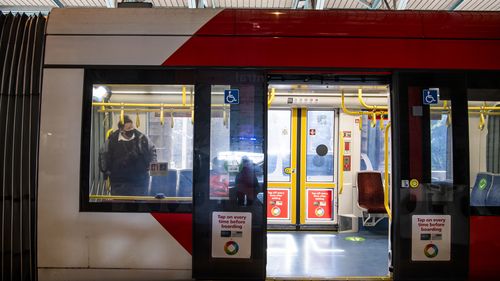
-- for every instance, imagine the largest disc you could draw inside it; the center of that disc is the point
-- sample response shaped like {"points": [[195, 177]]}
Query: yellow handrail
{"points": [[271, 98], [341, 162], [374, 119], [162, 115], [122, 116], [125, 104], [386, 167], [119, 197], [349, 112], [369, 107], [183, 95]]}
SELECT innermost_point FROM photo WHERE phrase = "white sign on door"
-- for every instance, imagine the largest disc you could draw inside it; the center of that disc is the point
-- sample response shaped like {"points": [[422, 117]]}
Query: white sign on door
{"points": [[231, 235], [431, 238]]}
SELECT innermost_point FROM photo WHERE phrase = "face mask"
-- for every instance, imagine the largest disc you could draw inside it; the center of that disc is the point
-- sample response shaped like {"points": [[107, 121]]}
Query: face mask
{"points": [[128, 134]]}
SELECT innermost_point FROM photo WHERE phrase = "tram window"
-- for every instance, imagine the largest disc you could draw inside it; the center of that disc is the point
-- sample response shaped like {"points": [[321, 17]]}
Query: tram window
{"points": [[372, 146], [320, 140], [441, 144], [141, 143], [484, 147], [236, 148], [278, 136]]}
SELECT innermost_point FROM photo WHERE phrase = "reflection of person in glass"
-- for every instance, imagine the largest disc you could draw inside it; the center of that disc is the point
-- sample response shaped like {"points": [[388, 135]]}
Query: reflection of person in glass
{"points": [[247, 184], [125, 159], [219, 180]]}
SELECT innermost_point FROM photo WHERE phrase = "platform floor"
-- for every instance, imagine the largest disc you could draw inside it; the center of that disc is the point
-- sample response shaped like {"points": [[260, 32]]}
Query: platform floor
{"points": [[326, 254]]}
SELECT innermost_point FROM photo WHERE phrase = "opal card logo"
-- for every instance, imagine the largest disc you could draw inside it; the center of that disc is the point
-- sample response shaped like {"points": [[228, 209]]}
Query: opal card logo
{"points": [[231, 248], [319, 212], [431, 251]]}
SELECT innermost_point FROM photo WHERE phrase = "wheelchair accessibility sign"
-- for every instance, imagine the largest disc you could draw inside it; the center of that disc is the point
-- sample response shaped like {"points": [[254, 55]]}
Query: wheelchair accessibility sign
{"points": [[430, 96], [232, 96]]}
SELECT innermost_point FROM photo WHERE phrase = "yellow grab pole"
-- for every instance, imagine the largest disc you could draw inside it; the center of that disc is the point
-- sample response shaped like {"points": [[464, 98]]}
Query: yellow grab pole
{"points": [[386, 167], [271, 98], [183, 95], [162, 116], [137, 120], [374, 119], [172, 118], [341, 162], [122, 115], [108, 133]]}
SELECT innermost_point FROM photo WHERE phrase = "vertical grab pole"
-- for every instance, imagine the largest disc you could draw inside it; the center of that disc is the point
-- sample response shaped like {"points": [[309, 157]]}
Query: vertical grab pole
{"points": [[386, 166], [341, 163], [183, 95]]}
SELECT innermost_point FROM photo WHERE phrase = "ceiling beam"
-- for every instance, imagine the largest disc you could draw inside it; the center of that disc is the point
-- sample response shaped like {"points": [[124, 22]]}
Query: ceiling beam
{"points": [[402, 4], [58, 3], [111, 3], [455, 5], [365, 3], [375, 4], [26, 9], [319, 4]]}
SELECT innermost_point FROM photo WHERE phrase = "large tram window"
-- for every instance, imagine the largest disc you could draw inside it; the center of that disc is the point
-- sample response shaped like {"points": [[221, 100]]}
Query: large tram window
{"points": [[484, 147], [320, 140], [279, 142], [441, 143], [141, 143], [236, 147]]}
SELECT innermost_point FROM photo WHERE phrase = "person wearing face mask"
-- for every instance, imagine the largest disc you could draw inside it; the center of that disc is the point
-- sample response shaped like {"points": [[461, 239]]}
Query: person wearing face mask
{"points": [[125, 158]]}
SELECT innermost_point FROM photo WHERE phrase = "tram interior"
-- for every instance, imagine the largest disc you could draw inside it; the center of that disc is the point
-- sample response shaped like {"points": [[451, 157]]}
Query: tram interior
{"points": [[326, 179], [328, 164]]}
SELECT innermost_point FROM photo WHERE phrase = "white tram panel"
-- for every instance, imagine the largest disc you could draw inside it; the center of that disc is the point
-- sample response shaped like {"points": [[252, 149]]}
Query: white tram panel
{"points": [[73, 245], [133, 36], [68, 238]]}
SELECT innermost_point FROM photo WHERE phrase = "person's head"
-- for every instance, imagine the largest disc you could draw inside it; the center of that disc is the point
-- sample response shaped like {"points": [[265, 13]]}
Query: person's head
{"points": [[127, 128]]}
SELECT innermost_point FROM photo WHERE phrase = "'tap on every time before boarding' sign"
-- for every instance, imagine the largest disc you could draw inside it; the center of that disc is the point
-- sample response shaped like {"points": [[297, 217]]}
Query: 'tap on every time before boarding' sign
{"points": [[231, 235], [431, 238]]}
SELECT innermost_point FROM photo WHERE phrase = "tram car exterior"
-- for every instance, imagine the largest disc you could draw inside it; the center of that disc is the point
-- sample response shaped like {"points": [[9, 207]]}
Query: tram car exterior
{"points": [[73, 244]]}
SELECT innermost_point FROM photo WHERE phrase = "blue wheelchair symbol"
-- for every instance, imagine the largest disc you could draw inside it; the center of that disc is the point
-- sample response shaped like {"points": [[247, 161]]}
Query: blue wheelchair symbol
{"points": [[430, 96], [232, 96]]}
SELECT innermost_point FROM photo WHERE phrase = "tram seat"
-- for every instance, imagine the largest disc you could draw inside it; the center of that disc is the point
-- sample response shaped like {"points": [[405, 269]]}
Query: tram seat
{"points": [[481, 188], [493, 196], [185, 183], [371, 197], [166, 185]]}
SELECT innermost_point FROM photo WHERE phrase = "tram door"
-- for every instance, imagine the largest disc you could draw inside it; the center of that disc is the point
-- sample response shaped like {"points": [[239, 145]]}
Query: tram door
{"points": [[431, 179], [301, 179]]}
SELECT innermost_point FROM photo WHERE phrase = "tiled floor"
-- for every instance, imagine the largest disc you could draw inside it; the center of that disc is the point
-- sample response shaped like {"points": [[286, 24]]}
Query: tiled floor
{"points": [[326, 254]]}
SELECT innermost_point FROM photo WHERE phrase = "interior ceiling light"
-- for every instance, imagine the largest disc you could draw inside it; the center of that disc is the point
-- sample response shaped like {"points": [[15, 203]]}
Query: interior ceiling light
{"points": [[99, 93]]}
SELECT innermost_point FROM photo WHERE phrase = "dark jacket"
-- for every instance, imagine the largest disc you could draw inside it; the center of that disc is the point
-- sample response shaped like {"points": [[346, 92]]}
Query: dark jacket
{"points": [[126, 161]]}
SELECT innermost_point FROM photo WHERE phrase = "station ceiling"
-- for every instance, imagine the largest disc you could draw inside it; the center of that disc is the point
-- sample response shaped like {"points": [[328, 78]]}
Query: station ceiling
{"points": [[44, 6]]}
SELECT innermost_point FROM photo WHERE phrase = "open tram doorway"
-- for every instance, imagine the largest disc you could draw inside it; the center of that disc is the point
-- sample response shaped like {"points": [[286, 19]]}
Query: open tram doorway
{"points": [[328, 171]]}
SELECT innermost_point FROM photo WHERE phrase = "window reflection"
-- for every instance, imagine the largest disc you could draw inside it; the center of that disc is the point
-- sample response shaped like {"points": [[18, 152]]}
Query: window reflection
{"points": [[236, 143]]}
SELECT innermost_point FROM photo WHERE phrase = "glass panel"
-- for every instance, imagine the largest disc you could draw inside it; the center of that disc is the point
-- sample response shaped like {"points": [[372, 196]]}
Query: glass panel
{"points": [[372, 146], [484, 147], [142, 143], [441, 143], [320, 137], [279, 142], [236, 142]]}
